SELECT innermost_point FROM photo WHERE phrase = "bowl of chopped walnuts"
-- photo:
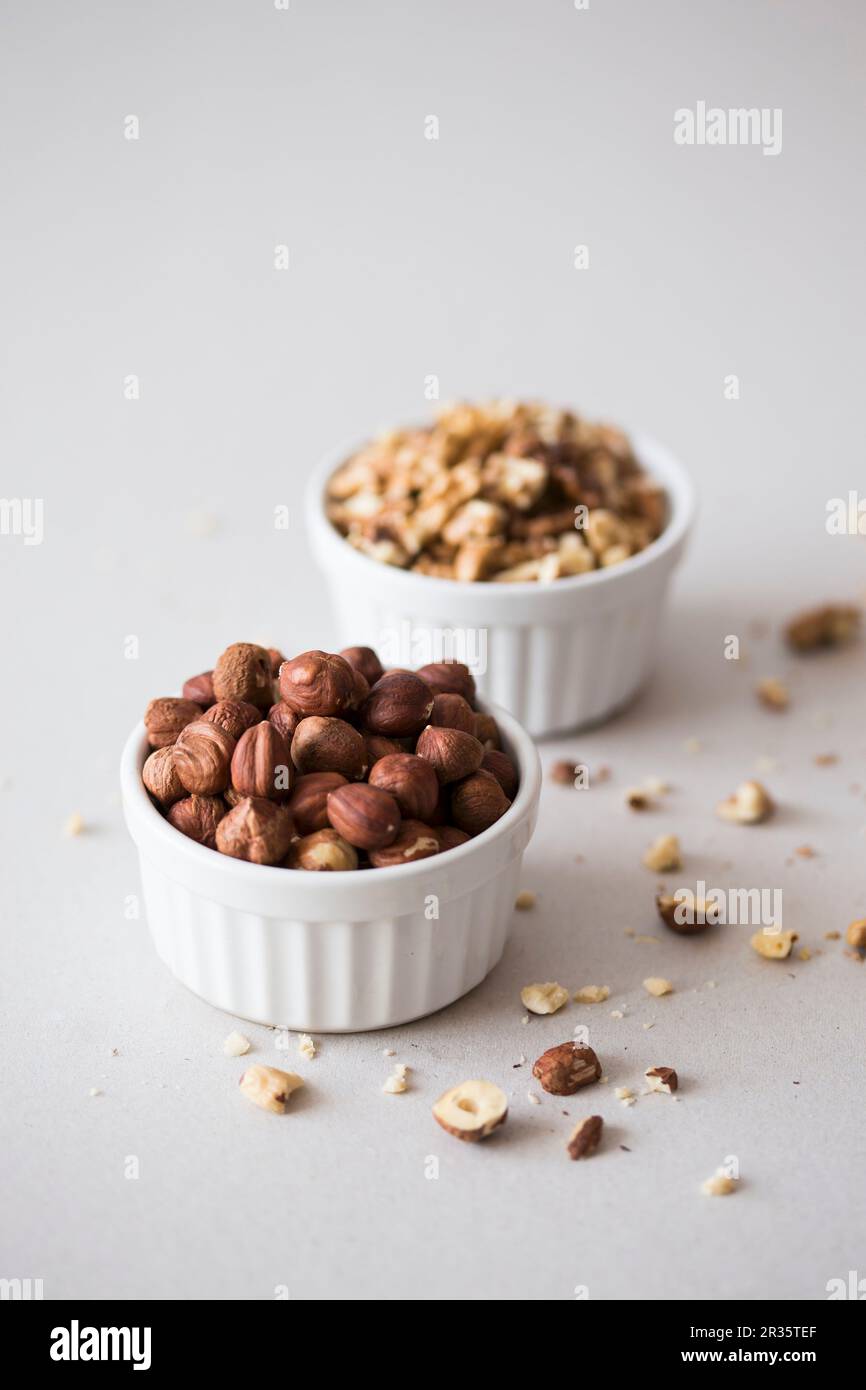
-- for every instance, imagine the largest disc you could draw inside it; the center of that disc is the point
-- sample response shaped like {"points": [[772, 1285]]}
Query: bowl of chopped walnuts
{"points": [[325, 844], [530, 543]]}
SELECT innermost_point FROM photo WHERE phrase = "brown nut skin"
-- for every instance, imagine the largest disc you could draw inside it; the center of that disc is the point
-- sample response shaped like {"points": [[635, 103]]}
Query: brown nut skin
{"points": [[198, 818], [365, 816], [165, 717], [411, 781], [276, 658], [243, 672], [202, 758], [325, 744], [450, 837], [235, 716], [503, 769], [324, 851], [487, 731], [365, 660], [452, 754], [362, 690], [318, 683], [262, 764], [667, 909], [380, 747], [564, 1069], [284, 719], [449, 678], [200, 689], [452, 712], [477, 802], [585, 1137], [308, 803], [398, 706], [257, 830], [160, 777], [415, 840]]}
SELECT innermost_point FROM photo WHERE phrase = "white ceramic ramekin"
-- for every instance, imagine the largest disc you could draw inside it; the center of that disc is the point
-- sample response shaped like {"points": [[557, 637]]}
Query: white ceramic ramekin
{"points": [[331, 952], [558, 656]]}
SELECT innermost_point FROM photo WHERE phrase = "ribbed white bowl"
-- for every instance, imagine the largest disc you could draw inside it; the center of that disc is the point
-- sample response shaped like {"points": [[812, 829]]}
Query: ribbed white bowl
{"points": [[331, 952], [559, 656]]}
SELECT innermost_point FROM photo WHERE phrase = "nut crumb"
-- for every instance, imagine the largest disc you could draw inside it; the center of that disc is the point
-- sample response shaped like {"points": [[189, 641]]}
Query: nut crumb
{"points": [[74, 825], [749, 805], [832, 935], [625, 1095], [663, 855], [396, 1083], [543, 999], [617, 1013], [773, 693], [524, 901], [856, 935], [662, 1079], [307, 1046], [592, 994], [825, 759], [805, 852], [532, 1098], [773, 945], [585, 1137], [804, 953], [656, 986], [236, 1045], [388, 1052], [647, 1026], [269, 1088], [94, 1091], [563, 773], [638, 799], [719, 1185]]}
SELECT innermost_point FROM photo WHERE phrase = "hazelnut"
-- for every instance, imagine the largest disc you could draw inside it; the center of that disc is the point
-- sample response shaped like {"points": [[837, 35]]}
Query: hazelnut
{"points": [[165, 717], [284, 718], [773, 945], [830, 626], [450, 837], [200, 689], [379, 747], [544, 999], [398, 706], [325, 744], [276, 658], [487, 731], [663, 855], [365, 660], [564, 1069], [317, 683], [160, 777], [365, 816], [477, 802], [269, 1087], [202, 757], [235, 716], [308, 803], [662, 1079], [324, 850], [855, 934], [449, 678], [414, 841], [471, 1110], [503, 769], [684, 916], [585, 1137], [256, 830], [452, 712], [410, 780], [750, 804], [452, 754], [262, 764], [198, 817], [243, 672], [362, 689]]}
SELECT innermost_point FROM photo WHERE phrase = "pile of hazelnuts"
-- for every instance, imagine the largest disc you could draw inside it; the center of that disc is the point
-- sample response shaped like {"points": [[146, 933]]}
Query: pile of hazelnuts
{"points": [[326, 762]]}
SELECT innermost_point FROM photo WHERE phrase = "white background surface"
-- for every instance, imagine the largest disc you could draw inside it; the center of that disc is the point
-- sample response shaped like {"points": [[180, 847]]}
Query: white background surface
{"points": [[411, 257]]}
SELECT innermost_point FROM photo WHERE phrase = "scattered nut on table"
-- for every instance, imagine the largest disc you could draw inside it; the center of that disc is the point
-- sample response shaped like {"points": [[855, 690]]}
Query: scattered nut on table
{"points": [[472, 1110], [657, 986], [662, 1079], [775, 945], [543, 999], [585, 1137], [663, 855], [750, 804], [564, 1069], [269, 1087], [856, 934]]}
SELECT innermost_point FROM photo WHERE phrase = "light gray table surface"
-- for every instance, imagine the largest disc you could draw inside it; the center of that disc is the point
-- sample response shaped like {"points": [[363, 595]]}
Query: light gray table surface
{"points": [[410, 257]]}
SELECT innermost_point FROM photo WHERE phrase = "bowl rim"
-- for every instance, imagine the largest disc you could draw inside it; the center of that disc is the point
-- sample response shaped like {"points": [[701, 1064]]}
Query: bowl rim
{"points": [[658, 461], [138, 803]]}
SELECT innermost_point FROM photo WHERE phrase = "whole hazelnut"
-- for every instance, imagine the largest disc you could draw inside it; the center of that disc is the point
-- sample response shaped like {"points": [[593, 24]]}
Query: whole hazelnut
{"points": [[398, 706], [200, 689], [362, 689], [325, 744], [452, 754], [477, 802], [276, 659], [198, 817], [365, 660], [452, 712], [262, 764], [257, 830], [160, 777], [450, 837], [487, 731], [202, 757], [380, 747], [449, 678], [365, 816], [235, 716], [503, 770], [243, 672], [165, 717], [410, 780], [308, 803], [317, 683], [414, 841], [323, 850], [564, 1069]]}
